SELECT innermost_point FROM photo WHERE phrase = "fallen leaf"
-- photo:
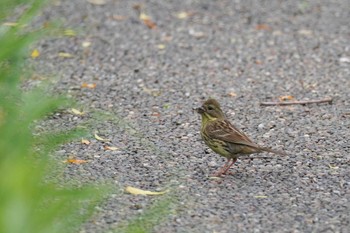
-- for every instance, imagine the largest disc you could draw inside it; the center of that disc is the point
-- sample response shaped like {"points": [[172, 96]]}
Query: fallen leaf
{"points": [[305, 32], [65, 55], [153, 92], [10, 24], [35, 53], [262, 27], [101, 139], [261, 196], [75, 161], [156, 114], [182, 15], [88, 85], [137, 191], [161, 46], [97, 2], [77, 112], [332, 167], [232, 94], [113, 148], [69, 32], [86, 44], [119, 17], [85, 141], [196, 34], [286, 97], [143, 16], [149, 23]]}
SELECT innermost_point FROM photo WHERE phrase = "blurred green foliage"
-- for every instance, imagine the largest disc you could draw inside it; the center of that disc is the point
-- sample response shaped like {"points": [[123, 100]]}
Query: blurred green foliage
{"points": [[30, 201]]}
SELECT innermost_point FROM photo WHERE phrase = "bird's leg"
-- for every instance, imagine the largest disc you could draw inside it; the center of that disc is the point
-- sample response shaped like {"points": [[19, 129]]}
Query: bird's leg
{"points": [[228, 167], [223, 169]]}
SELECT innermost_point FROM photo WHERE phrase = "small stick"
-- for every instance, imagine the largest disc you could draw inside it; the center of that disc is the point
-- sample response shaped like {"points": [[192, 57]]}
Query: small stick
{"points": [[327, 100]]}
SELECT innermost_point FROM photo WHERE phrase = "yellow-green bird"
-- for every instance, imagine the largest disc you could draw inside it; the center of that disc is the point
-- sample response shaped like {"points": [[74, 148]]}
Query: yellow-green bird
{"points": [[224, 138]]}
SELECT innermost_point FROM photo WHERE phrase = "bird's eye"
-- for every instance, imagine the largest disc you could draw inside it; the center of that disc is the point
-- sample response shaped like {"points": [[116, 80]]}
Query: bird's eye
{"points": [[210, 108]]}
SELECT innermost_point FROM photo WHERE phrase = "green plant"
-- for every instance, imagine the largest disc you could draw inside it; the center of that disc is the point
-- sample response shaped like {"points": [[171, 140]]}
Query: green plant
{"points": [[31, 201]]}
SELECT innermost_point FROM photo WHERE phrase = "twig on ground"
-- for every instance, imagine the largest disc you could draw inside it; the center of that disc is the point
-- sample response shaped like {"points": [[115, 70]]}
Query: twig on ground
{"points": [[326, 100]]}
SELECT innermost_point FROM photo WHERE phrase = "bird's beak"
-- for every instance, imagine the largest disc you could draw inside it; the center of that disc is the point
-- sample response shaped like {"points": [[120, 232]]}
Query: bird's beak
{"points": [[199, 110]]}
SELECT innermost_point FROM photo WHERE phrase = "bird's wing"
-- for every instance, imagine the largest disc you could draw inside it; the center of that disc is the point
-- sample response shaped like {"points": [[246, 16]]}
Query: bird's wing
{"points": [[225, 131]]}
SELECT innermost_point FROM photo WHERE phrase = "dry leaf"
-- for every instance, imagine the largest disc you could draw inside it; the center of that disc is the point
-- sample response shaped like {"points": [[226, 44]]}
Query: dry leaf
{"points": [[35, 53], [97, 2], [156, 114], [261, 196], [88, 85], [286, 97], [161, 46], [113, 148], [10, 24], [182, 15], [101, 139], [119, 17], [85, 141], [143, 16], [262, 27], [149, 23], [86, 44], [137, 191], [232, 94], [197, 34], [305, 32], [152, 92], [65, 55], [332, 167], [77, 112], [75, 161], [69, 32]]}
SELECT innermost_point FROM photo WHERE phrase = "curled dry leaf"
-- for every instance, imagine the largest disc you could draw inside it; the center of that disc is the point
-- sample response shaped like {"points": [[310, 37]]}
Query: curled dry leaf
{"points": [[85, 141], [136, 191], [147, 21], [88, 85], [232, 94], [86, 44], [161, 46], [101, 139], [150, 24], [75, 161], [263, 27], [113, 148], [332, 167], [184, 14], [153, 92], [35, 53], [77, 112], [286, 97], [119, 17], [65, 55]]}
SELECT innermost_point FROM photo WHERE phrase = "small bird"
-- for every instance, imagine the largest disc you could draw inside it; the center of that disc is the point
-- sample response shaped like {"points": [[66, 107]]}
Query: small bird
{"points": [[224, 138]]}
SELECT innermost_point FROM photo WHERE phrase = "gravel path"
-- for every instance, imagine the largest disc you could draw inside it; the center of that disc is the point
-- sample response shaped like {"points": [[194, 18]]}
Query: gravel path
{"points": [[240, 52]]}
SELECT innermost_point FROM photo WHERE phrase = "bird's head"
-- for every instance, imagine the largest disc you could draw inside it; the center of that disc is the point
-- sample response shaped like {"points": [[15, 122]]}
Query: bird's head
{"points": [[210, 110]]}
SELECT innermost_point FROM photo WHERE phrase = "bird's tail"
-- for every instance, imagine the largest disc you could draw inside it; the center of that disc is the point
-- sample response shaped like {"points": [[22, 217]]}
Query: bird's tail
{"points": [[273, 151]]}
